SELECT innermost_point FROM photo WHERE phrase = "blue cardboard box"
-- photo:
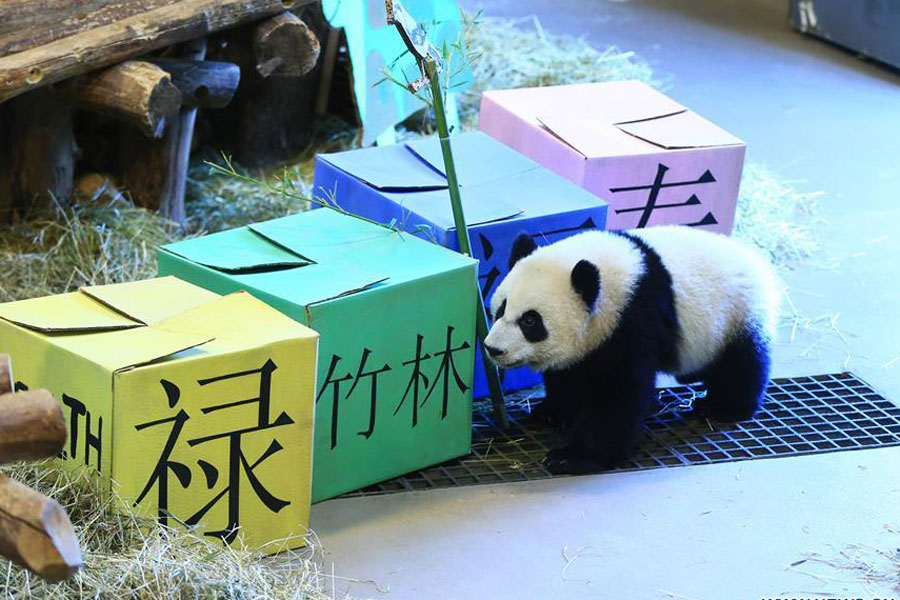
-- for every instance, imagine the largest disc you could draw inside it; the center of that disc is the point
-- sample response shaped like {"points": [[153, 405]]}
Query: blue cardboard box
{"points": [[504, 193]]}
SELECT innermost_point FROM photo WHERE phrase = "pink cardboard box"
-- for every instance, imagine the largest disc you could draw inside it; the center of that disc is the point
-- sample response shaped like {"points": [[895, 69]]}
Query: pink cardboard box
{"points": [[654, 161]]}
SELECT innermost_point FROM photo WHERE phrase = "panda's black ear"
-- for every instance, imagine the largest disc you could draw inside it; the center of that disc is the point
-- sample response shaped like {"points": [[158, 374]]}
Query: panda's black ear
{"points": [[522, 247], [586, 282]]}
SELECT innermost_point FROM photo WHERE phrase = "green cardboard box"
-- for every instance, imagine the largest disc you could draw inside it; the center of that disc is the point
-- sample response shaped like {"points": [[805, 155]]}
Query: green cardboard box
{"points": [[396, 316]]}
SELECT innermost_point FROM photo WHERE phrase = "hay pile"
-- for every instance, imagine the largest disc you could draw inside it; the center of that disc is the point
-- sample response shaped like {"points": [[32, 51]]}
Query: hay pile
{"points": [[98, 242], [780, 220], [128, 556], [514, 53]]}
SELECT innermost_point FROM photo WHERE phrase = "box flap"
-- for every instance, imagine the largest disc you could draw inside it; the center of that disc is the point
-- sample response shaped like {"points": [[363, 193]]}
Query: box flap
{"points": [[478, 157], [540, 193], [240, 251], [591, 118], [477, 206], [237, 321], [598, 103], [119, 350], [681, 130], [594, 139], [387, 168], [330, 243], [350, 255], [65, 313], [140, 300]]}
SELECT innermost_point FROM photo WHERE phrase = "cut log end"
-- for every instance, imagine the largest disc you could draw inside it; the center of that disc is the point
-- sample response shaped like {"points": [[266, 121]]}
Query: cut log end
{"points": [[163, 105], [136, 92], [32, 426], [61, 544], [6, 378], [203, 83], [36, 533], [284, 46]]}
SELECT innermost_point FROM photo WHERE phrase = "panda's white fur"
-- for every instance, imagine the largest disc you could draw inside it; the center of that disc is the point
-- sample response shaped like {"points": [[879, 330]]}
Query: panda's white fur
{"points": [[719, 285], [541, 281]]}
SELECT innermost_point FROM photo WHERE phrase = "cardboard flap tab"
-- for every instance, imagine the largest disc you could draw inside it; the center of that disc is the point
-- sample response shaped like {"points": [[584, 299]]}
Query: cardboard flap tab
{"points": [[387, 168], [478, 206], [478, 157], [238, 250], [320, 234], [592, 139], [333, 241], [237, 321], [65, 313], [141, 300], [122, 350], [682, 130]]}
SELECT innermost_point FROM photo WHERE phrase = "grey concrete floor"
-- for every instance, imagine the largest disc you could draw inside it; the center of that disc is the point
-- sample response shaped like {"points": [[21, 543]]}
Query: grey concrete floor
{"points": [[826, 121]]}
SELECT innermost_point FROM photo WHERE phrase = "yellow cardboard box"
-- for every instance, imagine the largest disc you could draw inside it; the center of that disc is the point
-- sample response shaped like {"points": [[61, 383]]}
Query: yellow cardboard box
{"points": [[199, 406]]}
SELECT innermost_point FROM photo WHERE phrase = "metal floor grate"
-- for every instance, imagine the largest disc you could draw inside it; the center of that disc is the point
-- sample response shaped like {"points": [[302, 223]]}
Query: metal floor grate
{"points": [[801, 415]]}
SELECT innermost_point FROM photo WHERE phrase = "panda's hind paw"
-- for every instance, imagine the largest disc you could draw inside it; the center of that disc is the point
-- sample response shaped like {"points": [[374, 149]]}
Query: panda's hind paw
{"points": [[724, 412], [564, 461]]}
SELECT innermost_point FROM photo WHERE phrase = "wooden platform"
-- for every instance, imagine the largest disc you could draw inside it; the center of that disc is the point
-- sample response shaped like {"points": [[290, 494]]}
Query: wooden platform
{"points": [[45, 41]]}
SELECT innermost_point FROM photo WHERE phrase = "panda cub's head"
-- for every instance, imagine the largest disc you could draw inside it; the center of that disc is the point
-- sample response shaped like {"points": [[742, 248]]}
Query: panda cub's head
{"points": [[542, 309]]}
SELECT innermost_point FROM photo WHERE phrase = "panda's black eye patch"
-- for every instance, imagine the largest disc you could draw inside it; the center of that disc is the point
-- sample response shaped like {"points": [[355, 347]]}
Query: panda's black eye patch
{"points": [[500, 311], [532, 325]]}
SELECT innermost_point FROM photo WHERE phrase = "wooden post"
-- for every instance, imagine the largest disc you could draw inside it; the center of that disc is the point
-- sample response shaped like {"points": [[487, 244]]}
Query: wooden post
{"points": [[137, 92], [328, 63], [31, 426], [270, 119], [36, 533], [285, 46], [155, 172], [39, 160]]}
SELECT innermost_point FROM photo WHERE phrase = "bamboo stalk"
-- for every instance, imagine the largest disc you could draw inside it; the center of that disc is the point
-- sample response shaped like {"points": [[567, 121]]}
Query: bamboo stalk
{"points": [[462, 236]]}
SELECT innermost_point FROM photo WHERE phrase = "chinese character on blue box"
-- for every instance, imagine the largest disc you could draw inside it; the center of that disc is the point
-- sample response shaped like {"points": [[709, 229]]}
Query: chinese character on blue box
{"points": [[504, 193]]}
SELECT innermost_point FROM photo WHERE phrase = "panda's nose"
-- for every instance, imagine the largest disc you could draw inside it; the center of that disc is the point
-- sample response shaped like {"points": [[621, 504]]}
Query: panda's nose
{"points": [[494, 352]]}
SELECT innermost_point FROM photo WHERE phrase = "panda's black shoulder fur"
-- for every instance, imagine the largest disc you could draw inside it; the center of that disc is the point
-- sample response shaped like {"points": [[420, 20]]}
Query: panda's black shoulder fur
{"points": [[644, 341], [650, 319]]}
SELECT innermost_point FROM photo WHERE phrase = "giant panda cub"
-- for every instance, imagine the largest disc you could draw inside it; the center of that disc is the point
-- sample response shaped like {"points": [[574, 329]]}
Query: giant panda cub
{"points": [[601, 313]]}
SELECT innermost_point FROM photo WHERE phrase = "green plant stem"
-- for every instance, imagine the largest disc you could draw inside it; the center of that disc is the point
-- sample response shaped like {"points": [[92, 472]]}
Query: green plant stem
{"points": [[230, 171], [462, 236]]}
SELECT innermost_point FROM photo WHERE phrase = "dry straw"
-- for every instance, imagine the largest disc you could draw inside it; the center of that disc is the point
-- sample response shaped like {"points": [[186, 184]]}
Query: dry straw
{"points": [[106, 240], [129, 556]]}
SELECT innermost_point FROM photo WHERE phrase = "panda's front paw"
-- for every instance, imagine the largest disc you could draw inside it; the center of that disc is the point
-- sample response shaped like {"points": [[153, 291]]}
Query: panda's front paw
{"points": [[566, 461]]}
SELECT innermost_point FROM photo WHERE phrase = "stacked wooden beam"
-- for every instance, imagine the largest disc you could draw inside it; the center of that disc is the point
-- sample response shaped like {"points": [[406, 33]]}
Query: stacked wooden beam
{"points": [[141, 63]]}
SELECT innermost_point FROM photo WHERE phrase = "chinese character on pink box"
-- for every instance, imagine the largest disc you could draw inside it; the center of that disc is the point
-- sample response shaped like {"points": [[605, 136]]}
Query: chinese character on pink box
{"points": [[653, 160]]}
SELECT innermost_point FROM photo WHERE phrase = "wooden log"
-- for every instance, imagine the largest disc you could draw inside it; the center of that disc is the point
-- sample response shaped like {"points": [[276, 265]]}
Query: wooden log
{"points": [[121, 34], [39, 157], [270, 119], [285, 46], [155, 172], [203, 83], [36, 533], [32, 426], [137, 92], [6, 378]]}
